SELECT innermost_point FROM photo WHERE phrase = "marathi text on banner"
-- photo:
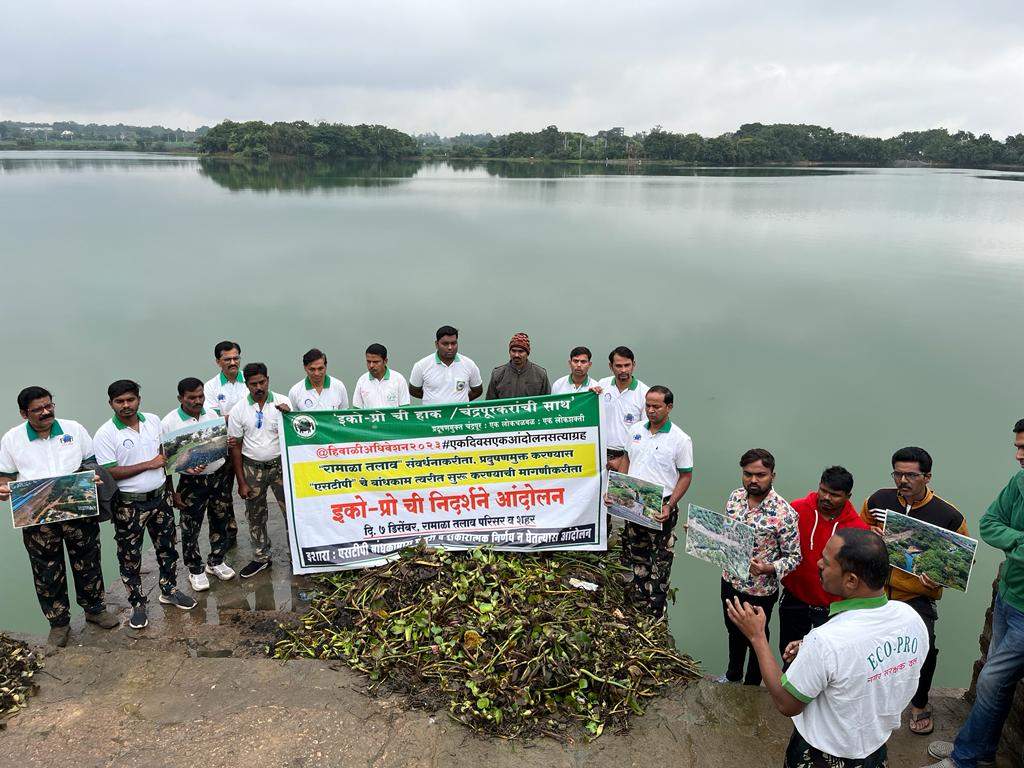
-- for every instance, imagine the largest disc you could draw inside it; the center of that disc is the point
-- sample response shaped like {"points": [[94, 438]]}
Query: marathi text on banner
{"points": [[520, 474]]}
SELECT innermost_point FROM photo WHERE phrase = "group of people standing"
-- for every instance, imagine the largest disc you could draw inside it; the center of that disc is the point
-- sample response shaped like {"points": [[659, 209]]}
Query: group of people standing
{"points": [[822, 562]]}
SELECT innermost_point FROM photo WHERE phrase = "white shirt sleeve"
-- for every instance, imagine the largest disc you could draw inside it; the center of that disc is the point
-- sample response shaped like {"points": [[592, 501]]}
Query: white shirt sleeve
{"points": [[293, 396], [104, 449], [403, 390], [810, 671], [344, 394], [7, 465], [235, 425], [357, 400], [684, 455], [474, 376], [85, 441], [416, 374]]}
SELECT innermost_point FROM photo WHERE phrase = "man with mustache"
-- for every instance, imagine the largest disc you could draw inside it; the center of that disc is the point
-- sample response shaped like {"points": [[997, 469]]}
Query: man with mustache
{"points": [[911, 473], [45, 446], [804, 603], [129, 447], [222, 392], [255, 424], [776, 554]]}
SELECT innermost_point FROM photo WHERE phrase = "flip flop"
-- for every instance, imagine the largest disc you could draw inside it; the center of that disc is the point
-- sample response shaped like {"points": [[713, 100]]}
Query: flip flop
{"points": [[918, 717]]}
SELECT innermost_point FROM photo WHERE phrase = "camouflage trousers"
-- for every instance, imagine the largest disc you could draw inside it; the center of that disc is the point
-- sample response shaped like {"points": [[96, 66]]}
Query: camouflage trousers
{"points": [[45, 545], [262, 476], [202, 497], [226, 482], [131, 520], [647, 552], [800, 754]]}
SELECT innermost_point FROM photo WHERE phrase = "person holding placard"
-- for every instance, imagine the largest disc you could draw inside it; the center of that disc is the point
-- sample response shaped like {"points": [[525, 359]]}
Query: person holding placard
{"points": [[445, 376], [659, 452], [199, 494], [129, 447], [45, 446], [318, 391], [911, 474], [776, 554]]}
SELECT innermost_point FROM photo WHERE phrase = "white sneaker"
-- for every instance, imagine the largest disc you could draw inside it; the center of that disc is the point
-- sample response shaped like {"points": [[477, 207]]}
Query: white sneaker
{"points": [[222, 571], [199, 582], [947, 763]]}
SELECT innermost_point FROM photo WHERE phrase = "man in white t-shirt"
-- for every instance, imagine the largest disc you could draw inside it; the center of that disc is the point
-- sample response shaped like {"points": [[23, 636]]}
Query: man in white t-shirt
{"points": [[129, 446], [318, 391], [852, 677], [380, 387], [255, 424], [44, 446], [623, 397], [222, 392], [446, 376], [659, 452], [578, 380], [199, 494]]}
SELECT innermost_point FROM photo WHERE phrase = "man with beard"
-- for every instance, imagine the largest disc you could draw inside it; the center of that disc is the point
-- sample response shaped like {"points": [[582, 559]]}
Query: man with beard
{"points": [[851, 677], [255, 424], [222, 392], [199, 495], [518, 377], [445, 376], [804, 604], [129, 447], [911, 473], [776, 554], [45, 446]]}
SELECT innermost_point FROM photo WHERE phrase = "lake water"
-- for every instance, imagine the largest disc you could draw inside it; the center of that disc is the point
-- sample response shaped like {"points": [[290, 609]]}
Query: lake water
{"points": [[828, 316]]}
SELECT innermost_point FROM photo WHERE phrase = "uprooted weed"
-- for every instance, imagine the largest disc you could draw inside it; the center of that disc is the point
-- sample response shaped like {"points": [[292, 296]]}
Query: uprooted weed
{"points": [[17, 665], [505, 642]]}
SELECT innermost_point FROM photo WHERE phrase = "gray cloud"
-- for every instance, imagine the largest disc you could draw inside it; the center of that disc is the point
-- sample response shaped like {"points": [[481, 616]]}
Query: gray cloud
{"points": [[462, 66]]}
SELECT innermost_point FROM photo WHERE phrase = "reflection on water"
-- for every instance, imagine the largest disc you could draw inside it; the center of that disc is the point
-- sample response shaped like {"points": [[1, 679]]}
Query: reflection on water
{"points": [[35, 162]]}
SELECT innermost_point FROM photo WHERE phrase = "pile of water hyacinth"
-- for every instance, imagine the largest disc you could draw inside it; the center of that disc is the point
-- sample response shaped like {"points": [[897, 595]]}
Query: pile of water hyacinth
{"points": [[511, 644], [17, 665]]}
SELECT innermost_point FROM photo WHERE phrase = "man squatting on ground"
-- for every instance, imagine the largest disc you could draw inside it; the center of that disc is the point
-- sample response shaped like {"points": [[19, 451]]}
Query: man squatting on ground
{"points": [[1002, 526], [850, 678], [200, 494], [659, 452], [912, 472], [776, 554], [805, 603], [253, 425], [45, 446], [129, 447]]}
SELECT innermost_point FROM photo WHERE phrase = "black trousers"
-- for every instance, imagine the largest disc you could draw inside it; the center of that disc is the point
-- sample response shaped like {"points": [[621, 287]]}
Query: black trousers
{"points": [[796, 619], [738, 643], [800, 754], [929, 613]]}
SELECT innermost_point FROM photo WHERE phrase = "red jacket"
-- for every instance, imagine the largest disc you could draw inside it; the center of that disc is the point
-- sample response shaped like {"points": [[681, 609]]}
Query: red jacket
{"points": [[804, 583]]}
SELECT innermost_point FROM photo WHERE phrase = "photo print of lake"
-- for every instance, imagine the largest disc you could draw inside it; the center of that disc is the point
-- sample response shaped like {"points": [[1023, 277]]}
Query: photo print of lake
{"points": [[718, 539], [634, 499], [195, 445], [919, 547], [54, 499]]}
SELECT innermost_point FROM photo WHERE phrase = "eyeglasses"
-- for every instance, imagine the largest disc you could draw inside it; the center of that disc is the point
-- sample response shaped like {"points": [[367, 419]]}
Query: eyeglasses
{"points": [[906, 475], [42, 408], [259, 419]]}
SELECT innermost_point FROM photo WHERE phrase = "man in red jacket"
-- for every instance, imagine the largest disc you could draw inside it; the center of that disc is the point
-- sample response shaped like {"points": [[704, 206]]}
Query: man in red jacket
{"points": [[805, 603]]}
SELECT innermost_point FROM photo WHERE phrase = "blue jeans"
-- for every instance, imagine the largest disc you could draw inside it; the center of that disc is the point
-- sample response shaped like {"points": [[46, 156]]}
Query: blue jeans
{"points": [[1004, 668]]}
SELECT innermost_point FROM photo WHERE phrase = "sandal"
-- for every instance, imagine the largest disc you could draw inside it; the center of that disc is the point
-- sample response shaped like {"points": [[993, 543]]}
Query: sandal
{"points": [[918, 717]]}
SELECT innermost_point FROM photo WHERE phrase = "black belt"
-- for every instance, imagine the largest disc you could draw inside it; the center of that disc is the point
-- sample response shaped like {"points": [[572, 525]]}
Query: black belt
{"points": [[148, 496], [275, 460]]}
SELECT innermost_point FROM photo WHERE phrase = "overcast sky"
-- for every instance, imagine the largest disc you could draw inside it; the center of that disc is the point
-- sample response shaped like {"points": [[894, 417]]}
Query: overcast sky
{"points": [[451, 66]]}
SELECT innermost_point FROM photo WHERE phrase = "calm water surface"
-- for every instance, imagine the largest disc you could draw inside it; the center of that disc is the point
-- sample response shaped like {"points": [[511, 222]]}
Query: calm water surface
{"points": [[828, 316]]}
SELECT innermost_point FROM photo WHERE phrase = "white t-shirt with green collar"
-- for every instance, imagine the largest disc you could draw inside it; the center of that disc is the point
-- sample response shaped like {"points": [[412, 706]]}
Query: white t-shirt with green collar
{"points": [[389, 391], [445, 383], [857, 673], [622, 410], [222, 394], [118, 445], [333, 396], [31, 456], [177, 419]]}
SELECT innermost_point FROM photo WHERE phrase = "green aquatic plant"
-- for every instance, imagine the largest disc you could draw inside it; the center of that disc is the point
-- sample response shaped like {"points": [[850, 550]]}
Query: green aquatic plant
{"points": [[17, 665], [510, 644]]}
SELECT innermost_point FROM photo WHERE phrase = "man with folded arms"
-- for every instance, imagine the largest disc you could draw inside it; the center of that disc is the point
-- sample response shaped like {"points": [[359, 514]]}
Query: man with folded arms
{"points": [[45, 446], [850, 678], [129, 447]]}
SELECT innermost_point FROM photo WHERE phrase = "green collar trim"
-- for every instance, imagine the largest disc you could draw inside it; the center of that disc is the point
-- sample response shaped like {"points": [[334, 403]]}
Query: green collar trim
{"points": [[633, 383], [327, 383], [54, 431], [857, 603], [121, 425], [587, 382], [224, 379], [185, 417], [437, 358], [666, 427], [270, 399], [385, 377]]}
